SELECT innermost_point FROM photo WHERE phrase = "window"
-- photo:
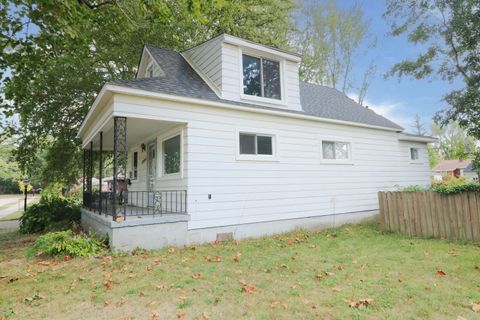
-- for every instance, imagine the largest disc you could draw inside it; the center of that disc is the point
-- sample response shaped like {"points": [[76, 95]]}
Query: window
{"points": [[414, 154], [256, 144], [171, 155], [150, 71], [135, 165], [261, 77], [335, 150]]}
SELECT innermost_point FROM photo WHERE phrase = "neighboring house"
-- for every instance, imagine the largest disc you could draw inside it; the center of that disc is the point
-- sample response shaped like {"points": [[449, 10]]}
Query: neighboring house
{"points": [[454, 168], [224, 141]]}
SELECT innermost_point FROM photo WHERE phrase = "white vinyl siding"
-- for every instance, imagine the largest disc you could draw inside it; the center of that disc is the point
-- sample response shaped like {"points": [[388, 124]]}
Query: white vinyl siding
{"points": [[297, 184], [207, 59]]}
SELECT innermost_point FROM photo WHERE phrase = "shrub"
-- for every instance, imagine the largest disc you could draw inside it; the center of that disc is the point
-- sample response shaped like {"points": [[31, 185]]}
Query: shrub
{"points": [[413, 189], [67, 243], [53, 212], [456, 188]]}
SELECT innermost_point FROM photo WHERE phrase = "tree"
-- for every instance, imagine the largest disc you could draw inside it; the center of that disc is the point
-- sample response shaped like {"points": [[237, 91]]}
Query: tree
{"points": [[453, 141], [9, 171], [418, 126], [56, 56], [329, 39], [476, 164], [449, 30]]}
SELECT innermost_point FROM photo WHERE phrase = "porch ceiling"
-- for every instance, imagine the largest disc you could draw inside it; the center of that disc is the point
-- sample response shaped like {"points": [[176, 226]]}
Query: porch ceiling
{"points": [[138, 131]]}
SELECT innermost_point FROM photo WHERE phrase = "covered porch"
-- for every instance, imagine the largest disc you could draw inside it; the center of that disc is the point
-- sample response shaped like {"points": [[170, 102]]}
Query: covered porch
{"points": [[129, 193]]}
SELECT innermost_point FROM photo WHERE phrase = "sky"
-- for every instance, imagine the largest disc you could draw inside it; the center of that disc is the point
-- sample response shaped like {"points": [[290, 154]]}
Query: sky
{"points": [[397, 100]]}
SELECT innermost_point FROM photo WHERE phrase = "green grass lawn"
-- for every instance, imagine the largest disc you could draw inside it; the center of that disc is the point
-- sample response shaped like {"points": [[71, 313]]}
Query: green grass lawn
{"points": [[300, 275]]}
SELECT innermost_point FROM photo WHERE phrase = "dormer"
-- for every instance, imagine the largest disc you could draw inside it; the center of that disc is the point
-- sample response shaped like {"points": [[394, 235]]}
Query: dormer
{"points": [[148, 67], [244, 71]]}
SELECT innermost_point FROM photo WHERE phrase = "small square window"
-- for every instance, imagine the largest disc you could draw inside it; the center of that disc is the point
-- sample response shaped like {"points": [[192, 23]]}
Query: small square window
{"points": [[256, 144], [414, 155], [247, 144], [335, 150]]}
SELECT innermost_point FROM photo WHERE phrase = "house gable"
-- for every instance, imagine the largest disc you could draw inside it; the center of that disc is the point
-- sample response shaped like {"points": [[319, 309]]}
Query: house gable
{"points": [[148, 67]]}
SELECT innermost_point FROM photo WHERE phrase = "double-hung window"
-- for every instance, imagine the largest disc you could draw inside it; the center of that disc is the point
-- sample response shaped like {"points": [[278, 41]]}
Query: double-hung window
{"points": [[336, 151], [261, 77], [256, 144]]}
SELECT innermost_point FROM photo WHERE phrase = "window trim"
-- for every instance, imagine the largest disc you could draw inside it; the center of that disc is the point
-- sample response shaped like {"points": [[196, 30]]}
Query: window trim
{"points": [[414, 161], [160, 164], [256, 157], [163, 154], [283, 101], [348, 161]]}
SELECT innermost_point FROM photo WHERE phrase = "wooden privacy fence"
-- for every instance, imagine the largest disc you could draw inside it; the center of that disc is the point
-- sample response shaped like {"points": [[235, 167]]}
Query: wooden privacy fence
{"points": [[432, 214]]}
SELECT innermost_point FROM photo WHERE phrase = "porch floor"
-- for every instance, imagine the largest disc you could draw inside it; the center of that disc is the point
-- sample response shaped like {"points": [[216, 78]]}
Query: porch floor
{"points": [[134, 213]]}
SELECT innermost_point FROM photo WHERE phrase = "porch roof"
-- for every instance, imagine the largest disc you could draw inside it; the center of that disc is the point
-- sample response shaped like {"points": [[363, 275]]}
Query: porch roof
{"points": [[138, 130]]}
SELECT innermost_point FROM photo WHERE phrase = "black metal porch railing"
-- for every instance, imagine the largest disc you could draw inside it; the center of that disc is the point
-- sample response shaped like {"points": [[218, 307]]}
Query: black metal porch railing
{"points": [[137, 203]]}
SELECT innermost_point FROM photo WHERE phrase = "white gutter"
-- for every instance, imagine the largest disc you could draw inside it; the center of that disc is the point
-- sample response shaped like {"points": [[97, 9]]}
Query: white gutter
{"points": [[406, 137]]}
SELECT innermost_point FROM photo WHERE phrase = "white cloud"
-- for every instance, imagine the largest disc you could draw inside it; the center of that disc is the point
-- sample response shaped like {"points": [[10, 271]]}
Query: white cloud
{"points": [[390, 110]]}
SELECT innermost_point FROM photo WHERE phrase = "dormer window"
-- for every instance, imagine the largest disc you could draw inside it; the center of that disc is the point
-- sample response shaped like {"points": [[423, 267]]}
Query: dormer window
{"points": [[261, 77], [150, 71]]}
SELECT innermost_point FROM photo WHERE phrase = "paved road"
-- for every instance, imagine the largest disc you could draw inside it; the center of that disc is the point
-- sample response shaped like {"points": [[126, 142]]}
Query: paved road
{"points": [[12, 224], [16, 204]]}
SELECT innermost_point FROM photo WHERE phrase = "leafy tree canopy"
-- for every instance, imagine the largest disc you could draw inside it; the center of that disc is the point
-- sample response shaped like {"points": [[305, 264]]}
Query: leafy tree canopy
{"points": [[449, 30], [57, 54]]}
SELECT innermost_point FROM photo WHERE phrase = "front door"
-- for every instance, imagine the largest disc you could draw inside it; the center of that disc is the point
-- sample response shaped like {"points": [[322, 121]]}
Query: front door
{"points": [[151, 166]]}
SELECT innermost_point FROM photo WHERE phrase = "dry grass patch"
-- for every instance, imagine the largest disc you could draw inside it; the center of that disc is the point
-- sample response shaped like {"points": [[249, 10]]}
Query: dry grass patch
{"points": [[353, 272]]}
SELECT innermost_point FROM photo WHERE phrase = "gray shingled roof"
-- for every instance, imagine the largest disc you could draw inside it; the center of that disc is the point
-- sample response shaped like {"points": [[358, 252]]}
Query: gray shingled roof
{"points": [[180, 79]]}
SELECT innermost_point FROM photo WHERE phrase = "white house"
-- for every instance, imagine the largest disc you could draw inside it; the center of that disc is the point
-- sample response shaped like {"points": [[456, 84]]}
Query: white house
{"points": [[224, 140]]}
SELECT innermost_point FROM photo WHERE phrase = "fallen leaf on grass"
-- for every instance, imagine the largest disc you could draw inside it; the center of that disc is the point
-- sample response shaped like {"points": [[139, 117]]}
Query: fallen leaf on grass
{"points": [[360, 304], [441, 273], [150, 304], [275, 303], [107, 285], [196, 276], [248, 288], [120, 302], [215, 259], [476, 307], [181, 315]]}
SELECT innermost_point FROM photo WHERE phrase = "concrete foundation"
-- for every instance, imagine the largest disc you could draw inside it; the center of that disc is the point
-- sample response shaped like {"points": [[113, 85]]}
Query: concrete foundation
{"points": [[251, 230], [145, 232], [172, 229]]}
